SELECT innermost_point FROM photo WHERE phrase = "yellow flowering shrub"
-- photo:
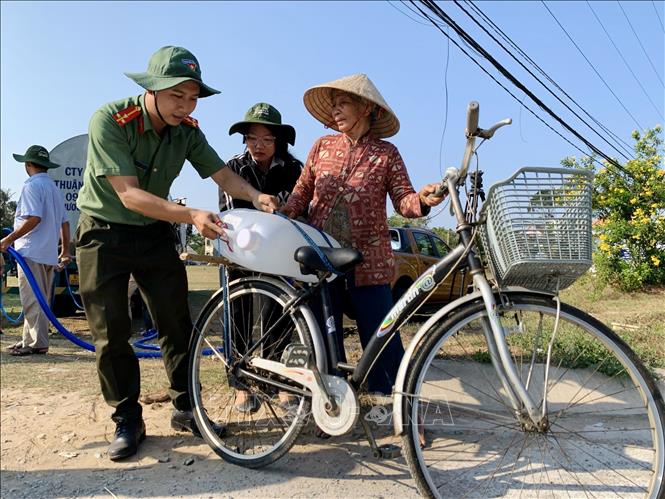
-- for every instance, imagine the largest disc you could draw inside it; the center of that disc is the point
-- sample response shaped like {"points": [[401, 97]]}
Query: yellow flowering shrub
{"points": [[629, 208]]}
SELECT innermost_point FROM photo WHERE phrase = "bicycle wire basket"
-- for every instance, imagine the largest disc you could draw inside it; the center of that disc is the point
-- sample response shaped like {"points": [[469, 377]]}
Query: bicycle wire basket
{"points": [[538, 229]]}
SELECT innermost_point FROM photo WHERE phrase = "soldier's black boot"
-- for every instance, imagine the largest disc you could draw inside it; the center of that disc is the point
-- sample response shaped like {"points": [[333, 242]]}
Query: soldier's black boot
{"points": [[129, 433]]}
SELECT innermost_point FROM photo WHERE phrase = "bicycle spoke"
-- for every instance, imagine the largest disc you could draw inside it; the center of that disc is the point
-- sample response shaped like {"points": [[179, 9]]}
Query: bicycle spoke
{"points": [[600, 436], [498, 398], [482, 392], [261, 431], [573, 474]]}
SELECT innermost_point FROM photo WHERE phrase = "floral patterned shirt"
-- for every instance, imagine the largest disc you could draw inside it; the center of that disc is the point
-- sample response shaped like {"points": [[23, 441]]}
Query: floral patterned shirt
{"points": [[359, 176]]}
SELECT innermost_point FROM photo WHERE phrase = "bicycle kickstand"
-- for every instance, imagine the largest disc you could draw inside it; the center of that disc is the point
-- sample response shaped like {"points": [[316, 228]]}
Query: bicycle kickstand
{"points": [[385, 451]]}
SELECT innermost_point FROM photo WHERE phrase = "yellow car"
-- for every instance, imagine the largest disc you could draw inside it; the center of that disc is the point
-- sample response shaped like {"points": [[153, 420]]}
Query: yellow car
{"points": [[415, 250]]}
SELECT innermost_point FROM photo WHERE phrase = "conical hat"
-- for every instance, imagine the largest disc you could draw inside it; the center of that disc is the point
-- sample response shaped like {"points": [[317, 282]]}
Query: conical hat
{"points": [[319, 103]]}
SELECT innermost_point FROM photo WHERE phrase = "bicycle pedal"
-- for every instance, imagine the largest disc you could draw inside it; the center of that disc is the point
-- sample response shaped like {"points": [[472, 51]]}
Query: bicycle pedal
{"points": [[387, 451], [296, 355]]}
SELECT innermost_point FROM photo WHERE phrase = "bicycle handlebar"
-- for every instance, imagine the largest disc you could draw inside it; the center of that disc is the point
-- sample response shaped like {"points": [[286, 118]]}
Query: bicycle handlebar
{"points": [[472, 131], [472, 112], [489, 133]]}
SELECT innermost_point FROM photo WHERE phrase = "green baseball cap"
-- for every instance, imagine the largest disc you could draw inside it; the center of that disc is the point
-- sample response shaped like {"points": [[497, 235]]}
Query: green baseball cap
{"points": [[170, 66], [265, 114], [37, 155]]}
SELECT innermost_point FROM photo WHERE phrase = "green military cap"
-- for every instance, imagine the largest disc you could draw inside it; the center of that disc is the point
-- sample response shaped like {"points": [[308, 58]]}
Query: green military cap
{"points": [[265, 114], [37, 155], [170, 66]]}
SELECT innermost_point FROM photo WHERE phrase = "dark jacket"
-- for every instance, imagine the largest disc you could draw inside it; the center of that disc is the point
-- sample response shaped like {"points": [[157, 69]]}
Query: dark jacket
{"points": [[278, 181]]}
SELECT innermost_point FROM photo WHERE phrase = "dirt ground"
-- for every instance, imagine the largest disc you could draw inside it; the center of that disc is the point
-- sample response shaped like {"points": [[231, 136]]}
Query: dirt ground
{"points": [[54, 445], [55, 429]]}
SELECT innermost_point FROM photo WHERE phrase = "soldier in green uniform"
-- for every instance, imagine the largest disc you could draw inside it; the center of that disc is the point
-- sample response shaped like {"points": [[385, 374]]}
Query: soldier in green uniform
{"points": [[137, 147]]}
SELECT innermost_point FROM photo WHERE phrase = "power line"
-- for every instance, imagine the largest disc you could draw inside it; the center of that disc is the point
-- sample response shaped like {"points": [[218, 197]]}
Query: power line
{"points": [[539, 80], [623, 59], [445, 76], [407, 15], [592, 66], [660, 21], [626, 147], [640, 42], [445, 93], [463, 35]]}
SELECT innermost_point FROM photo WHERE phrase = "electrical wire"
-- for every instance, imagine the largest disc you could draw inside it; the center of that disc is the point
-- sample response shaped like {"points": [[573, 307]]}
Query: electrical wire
{"points": [[436, 10], [500, 32], [640, 42], [660, 21], [592, 66], [540, 81], [445, 113], [407, 15], [658, 112]]}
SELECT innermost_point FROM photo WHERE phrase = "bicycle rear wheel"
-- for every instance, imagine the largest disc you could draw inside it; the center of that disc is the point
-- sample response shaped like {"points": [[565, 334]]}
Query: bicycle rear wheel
{"points": [[264, 430], [605, 413]]}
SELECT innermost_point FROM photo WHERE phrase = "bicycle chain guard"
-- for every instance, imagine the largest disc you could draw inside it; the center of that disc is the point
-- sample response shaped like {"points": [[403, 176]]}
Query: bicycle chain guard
{"points": [[347, 406], [335, 421]]}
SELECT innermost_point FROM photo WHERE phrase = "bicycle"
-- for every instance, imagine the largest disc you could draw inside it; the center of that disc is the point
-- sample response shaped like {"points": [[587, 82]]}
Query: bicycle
{"points": [[506, 390]]}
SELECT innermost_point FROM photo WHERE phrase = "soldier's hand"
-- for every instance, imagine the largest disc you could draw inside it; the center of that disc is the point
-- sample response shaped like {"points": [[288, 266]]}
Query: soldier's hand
{"points": [[207, 223], [264, 202]]}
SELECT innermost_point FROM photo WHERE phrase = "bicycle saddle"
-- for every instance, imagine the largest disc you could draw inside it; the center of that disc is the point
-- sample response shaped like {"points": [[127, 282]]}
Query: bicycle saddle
{"points": [[342, 259]]}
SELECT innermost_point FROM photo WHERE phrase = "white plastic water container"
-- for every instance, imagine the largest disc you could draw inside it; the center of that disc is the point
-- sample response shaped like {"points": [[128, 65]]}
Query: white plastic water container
{"points": [[266, 243]]}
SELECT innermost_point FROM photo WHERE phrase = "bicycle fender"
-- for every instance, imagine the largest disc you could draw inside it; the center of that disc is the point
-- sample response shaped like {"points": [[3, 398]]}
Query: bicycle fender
{"points": [[398, 391]]}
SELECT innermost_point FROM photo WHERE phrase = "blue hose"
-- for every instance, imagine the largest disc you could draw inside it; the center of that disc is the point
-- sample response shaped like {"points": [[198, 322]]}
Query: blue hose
{"points": [[148, 335], [69, 289], [49, 313], [12, 320]]}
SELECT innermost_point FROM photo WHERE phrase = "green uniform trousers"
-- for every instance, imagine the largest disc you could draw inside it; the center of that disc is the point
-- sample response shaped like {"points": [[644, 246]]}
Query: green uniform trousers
{"points": [[107, 253]]}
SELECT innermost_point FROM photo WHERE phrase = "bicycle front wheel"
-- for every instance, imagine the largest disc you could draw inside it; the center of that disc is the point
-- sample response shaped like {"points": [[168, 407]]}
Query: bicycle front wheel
{"points": [[262, 421], [605, 415]]}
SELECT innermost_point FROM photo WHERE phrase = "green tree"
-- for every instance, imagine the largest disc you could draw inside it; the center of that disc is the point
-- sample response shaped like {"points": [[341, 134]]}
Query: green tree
{"points": [[629, 211], [448, 235], [7, 208], [397, 220], [196, 242]]}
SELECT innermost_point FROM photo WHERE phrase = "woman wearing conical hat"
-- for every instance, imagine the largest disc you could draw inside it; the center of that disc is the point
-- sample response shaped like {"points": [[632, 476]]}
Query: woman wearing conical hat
{"points": [[344, 183]]}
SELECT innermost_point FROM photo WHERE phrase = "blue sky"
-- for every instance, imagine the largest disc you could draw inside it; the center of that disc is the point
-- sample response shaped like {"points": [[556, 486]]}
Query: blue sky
{"points": [[62, 60]]}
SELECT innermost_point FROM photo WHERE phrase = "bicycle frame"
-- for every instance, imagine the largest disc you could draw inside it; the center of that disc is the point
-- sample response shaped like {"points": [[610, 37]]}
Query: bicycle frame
{"points": [[492, 328], [525, 409]]}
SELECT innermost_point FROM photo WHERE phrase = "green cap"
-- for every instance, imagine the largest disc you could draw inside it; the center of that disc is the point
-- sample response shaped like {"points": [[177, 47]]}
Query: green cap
{"points": [[265, 114], [37, 155], [170, 66]]}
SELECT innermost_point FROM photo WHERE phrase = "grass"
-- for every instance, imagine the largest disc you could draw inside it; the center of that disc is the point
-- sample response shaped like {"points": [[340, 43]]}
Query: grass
{"points": [[639, 318], [68, 367]]}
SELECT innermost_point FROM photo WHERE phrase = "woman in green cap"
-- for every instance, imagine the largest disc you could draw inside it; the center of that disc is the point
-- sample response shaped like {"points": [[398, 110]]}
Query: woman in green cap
{"points": [[266, 162], [269, 167]]}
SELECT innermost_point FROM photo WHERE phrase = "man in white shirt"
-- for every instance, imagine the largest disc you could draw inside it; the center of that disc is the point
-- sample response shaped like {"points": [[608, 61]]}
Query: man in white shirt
{"points": [[40, 222]]}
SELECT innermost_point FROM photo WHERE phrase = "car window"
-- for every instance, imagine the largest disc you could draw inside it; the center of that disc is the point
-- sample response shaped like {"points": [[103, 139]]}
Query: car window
{"points": [[441, 247], [424, 244], [395, 243]]}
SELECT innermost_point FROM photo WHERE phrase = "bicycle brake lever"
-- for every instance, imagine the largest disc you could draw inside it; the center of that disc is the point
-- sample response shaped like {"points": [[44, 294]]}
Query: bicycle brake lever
{"points": [[489, 133]]}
